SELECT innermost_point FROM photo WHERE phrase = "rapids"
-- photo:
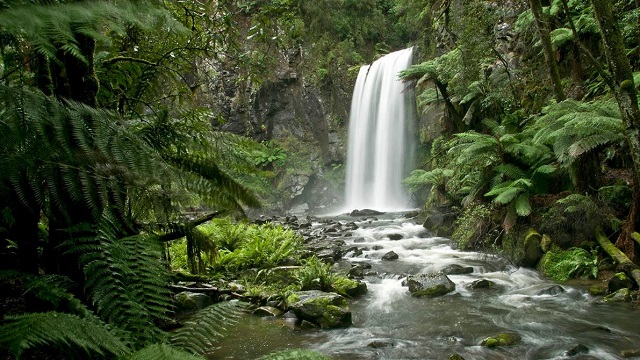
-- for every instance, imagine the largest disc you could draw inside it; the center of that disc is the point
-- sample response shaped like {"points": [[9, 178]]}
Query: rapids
{"points": [[388, 323]]}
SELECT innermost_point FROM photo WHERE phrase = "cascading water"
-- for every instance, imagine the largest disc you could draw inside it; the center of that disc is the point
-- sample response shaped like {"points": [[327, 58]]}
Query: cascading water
{"points": [[380, 137]]}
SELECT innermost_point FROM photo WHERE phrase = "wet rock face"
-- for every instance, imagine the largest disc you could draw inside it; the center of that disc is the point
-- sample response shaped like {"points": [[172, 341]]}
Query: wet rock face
{"points": [[329, 310], [456, 269], [430, 285], [619, 281]]}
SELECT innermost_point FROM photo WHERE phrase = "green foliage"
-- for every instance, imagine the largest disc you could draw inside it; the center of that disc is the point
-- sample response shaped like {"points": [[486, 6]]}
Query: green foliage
{"points": [[316, 275], [125, 281], [65, 333], [161, 352], [295, 354], [576, 128], [203, 329], [472, 226], [269, 155], [560, 265], [262, 247]]}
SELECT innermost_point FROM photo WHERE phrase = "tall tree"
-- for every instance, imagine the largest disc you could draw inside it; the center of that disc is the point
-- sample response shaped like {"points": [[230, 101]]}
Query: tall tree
{"points": [[542, 24], [624, 90]]}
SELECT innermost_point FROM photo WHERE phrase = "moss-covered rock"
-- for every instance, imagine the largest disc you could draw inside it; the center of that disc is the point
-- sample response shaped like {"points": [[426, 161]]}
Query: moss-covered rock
{"points": [[619, 281], [430, 285], [329, 310], [522, 247], [502, 339], [622, 295], [597, 290]]}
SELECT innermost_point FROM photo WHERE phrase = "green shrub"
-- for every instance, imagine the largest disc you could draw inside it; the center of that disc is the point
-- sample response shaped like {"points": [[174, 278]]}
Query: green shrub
{"points": [[316, 275], [560, 265], [472, 225]]}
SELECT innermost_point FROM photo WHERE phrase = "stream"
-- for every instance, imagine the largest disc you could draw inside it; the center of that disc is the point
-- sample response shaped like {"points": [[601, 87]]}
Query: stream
{"points": [[388, 323]]}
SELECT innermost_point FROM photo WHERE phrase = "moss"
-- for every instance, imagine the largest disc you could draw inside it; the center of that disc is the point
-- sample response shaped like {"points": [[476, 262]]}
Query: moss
{"points": [[502, 339], [293, 298], [431, 292]]}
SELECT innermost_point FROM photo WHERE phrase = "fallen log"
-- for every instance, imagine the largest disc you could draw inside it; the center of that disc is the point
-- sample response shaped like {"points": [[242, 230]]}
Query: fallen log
{"points": [[616, 254], [636, 237]]}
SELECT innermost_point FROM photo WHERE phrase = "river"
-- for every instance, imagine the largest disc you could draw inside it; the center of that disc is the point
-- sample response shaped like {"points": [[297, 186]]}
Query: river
{"points": [[388, 323]]}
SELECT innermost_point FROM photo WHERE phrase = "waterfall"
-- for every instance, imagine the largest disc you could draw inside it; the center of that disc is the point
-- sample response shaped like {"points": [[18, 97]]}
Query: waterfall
{"points": [[381, 145]]}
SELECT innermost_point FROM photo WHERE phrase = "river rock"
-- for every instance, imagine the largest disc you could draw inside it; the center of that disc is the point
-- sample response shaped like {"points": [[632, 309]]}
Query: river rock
{"points": [[395, 237], [482, 284], [189, 301], [430, 285], [329, 310], [622, 295], [266, 311], [502, 339], [455, 269], [552, 290], [365, 212], [630, 353], [390, 256], [455, 356], [578, 349], [619, 281]]}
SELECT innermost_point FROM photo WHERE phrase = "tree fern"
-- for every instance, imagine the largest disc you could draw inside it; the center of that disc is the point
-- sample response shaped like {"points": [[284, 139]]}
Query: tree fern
{"points": [[125, 280], [66, 333], [205, 328]]}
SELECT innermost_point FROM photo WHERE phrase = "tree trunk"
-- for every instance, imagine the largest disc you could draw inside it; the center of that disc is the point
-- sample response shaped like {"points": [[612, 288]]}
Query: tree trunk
{"points": [[542, 23], [623, 261], [625, 93]]}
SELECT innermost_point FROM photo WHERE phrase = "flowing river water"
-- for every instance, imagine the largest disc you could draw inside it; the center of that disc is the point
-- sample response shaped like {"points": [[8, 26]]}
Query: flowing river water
{"points": [[388, 323]]}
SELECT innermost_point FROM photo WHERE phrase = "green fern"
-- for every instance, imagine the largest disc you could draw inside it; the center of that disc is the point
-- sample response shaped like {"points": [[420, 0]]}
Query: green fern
{"points": [[64, 332], [161, 352], [295, 354], [205, 328]]}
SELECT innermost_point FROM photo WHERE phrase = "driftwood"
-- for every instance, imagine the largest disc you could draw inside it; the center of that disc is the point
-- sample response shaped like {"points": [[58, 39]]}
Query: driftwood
{"points": [[619, 256]]}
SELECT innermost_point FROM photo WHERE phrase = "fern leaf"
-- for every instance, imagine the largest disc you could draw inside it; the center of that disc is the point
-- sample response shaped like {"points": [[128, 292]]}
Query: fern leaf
{"points": [[202, 331], [61, 331], [522, 205], [161, 352]]}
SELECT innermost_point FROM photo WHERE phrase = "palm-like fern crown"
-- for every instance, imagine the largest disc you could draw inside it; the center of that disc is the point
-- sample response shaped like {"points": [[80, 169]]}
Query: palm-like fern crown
{"points": [[575, 128]]}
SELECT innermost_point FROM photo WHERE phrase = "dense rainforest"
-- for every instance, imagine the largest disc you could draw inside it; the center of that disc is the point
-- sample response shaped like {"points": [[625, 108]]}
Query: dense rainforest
{"points": [[137, 138]]}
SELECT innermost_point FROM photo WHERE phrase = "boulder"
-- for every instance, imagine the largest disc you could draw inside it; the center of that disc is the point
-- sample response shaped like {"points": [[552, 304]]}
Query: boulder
{"points": [[522, 248], [455, 269], [266, 311], [365, 212], [502, 339], [190, 301], [552, 290], [619, 281], [578, 349], [430, 285], [482, 284], [390, 256], [622, 295], [329, 310], [395, 237]]}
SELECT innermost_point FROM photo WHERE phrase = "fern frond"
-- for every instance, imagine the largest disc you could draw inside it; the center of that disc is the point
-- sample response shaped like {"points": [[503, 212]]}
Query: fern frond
{"points": [[161, 352], [61, 331], [206, 327], [522, 205]]}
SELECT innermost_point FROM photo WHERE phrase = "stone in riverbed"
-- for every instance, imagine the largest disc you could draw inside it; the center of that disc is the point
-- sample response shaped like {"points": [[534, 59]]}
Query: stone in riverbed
{"points": [[395, 237], [455, 269], [430, 285], [502, 339], [482, 284], [622, 295], [329, 310], [266, 311], [189, 301], [552, 290], [619, 281], [365, 212], [578, 349], [390, 256]]}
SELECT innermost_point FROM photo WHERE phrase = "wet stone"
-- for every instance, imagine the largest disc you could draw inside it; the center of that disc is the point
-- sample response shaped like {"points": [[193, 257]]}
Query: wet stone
{"points": [[553, 290], [455, 269], [390, 256], [578, 349]]}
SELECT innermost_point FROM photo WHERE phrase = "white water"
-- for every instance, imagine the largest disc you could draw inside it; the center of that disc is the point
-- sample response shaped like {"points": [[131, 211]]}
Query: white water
{"points": [[380, 140]]}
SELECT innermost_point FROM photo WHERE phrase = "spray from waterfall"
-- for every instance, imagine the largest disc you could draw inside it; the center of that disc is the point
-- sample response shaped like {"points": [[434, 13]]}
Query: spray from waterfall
{"points": [[381, 145]]}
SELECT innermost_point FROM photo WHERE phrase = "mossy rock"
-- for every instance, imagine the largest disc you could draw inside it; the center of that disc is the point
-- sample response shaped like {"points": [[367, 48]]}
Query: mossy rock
{"points": [[430, 285], [502, 339], [619, 281], [329, 310], [295, 354], [622, 295], [523, 247], [597, 290]]}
